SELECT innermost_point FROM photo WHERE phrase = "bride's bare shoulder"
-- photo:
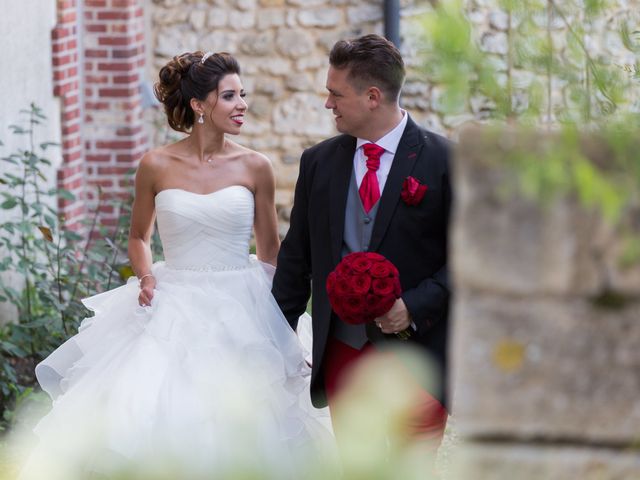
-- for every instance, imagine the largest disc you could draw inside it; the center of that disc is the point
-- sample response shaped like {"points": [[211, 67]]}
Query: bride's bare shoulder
{"points": [[251, 158]]}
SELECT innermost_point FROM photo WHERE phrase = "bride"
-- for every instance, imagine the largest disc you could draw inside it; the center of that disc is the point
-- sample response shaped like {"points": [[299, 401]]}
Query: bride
{"points": [[192, 365]]}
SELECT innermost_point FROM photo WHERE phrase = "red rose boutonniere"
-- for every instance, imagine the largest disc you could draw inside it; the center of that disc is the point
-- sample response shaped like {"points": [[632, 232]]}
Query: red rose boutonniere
{"points": [[412, 191]]}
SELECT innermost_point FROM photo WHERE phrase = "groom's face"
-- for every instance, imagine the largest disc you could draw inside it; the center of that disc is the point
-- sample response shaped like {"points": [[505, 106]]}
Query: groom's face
{"points": [[349, 106]]}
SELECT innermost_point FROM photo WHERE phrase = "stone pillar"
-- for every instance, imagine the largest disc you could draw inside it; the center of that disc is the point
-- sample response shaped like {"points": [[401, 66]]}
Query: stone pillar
{"points": [[546, 357], [66, 86], [114, 134]]}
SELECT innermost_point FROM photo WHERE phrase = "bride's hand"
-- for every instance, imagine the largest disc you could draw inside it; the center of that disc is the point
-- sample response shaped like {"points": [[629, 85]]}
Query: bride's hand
{"points": [[147, 286]]}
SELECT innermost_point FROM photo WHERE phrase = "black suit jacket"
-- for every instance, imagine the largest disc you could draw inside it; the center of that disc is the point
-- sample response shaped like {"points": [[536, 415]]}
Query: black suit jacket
{"points": [[414, 238]]}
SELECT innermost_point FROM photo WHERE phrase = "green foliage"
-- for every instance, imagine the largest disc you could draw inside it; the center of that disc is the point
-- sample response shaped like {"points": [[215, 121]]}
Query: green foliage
{"points": [[573, 92], [46, 268], [532, 81]]}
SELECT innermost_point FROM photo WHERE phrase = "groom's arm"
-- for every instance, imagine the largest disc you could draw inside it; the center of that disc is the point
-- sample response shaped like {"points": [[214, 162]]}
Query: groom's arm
{"points": [[292, 281], [428, 302]]}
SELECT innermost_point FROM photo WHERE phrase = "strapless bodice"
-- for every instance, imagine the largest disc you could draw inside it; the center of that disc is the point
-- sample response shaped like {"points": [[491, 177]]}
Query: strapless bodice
{"points": [[205, 231]]}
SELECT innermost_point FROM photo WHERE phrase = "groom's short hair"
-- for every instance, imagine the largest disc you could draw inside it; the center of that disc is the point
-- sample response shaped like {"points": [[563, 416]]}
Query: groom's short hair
{"points": [[371, 60]]}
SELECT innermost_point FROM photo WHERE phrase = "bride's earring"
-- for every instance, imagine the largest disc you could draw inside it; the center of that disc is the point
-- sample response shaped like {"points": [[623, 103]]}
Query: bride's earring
{"points": [[201, 119]]}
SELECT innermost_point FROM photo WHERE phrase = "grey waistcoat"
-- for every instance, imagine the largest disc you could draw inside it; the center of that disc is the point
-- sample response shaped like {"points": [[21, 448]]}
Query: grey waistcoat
{"points": [[357, 234]]}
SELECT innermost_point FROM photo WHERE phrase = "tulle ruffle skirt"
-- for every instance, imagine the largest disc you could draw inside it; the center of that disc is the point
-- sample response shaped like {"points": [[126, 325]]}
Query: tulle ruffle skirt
{"points": [[210, 376]]}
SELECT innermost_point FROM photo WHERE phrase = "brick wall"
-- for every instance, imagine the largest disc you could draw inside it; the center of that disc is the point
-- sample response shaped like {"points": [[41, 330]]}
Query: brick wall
{"points": [[66, 86], [114, 137]]}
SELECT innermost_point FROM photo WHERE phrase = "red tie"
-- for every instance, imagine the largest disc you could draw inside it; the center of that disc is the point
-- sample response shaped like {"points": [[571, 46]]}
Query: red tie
{"points": [[369, 188]]}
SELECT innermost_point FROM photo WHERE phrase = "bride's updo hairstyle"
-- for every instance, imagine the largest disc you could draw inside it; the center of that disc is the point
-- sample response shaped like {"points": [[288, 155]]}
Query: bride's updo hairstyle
{"points": [[187, 76]]}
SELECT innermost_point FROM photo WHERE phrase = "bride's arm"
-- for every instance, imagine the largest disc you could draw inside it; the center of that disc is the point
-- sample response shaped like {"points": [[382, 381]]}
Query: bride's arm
{"points": [[141, 228], [266, 220]]}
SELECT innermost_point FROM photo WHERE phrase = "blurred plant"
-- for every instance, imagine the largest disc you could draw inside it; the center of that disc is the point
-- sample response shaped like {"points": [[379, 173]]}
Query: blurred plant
{"points": [[539, 68], [55, 265]]}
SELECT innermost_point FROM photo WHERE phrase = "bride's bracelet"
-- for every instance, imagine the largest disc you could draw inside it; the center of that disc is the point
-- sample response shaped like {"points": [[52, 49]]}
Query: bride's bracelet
{"points": [[143, 277]]}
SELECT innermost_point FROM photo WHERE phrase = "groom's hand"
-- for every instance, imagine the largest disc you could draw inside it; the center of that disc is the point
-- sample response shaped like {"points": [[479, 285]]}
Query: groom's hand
{"points": [[396, 319]]}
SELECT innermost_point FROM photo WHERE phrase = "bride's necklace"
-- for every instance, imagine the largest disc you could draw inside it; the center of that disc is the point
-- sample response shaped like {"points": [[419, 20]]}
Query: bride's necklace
{"points": [[209, 159]]}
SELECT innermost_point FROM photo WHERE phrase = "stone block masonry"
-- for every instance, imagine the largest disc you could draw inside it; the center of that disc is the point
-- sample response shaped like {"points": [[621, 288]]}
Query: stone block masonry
{"points": [[546, 323]]}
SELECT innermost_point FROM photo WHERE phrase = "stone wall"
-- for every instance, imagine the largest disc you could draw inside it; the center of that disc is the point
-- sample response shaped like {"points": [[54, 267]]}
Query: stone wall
{"points": [[547, 325], [283, 47]]}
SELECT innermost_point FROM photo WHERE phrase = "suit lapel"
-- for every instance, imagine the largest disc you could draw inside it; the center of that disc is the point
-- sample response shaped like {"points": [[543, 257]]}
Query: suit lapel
{"points": [[342, 167], [405, 158]]}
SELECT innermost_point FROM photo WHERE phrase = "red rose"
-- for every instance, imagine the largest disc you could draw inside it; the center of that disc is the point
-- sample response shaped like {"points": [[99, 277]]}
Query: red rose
{"points": [[374, 257], [386, 303], [380, 270], [353, 306], [382, 286], [412, 191], [360, 283], [349, 259], [361, 264], [343, 269], [372, 305], [342, 286]]}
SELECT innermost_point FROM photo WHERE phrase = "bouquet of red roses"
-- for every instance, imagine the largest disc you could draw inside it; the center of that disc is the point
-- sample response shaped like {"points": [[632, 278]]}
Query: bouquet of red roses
{"points": [[363, 286]]}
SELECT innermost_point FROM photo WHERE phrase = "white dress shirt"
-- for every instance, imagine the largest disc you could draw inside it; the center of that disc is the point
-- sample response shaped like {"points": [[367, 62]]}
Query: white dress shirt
{"points": [[390, 144]]}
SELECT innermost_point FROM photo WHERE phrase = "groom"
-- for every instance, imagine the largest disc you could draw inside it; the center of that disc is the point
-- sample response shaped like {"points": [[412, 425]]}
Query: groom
{"points": [[349, 198]]}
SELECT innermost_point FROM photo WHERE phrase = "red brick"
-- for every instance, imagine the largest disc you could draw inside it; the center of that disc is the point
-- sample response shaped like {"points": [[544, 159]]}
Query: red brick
{"points": [[128, 131], [126, 53], [68, 172], [71, 114], [70, 129], [67, 17], [95, 3], [96, 28], [123, 3], [105, 183], [119, 28], [59, 75], [105, 208], [66, 4], [70, 101], [117, 92], [119, 41], [114, 15], [69, 143], [60, 90], [62, 59], [115, 66], [72, 156], [95, 53], [97, 105], [113, 170], [75, 183], [98, 157], [115, 144], [96, 79], [60, 32], [130, 78]]}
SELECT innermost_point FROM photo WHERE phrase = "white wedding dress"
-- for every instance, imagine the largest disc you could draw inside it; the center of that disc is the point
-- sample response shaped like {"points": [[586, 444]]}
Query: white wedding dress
{"points": [[209, 376]]}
